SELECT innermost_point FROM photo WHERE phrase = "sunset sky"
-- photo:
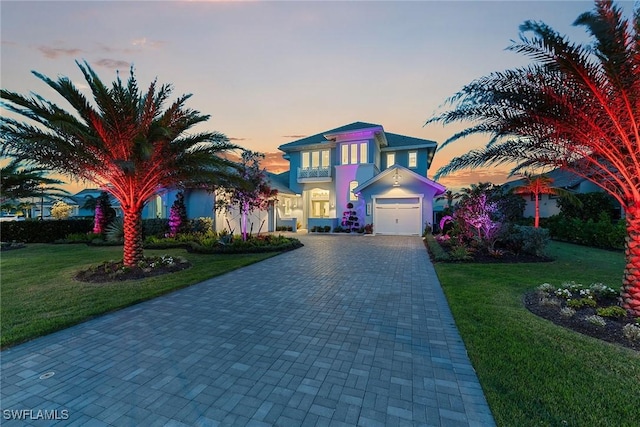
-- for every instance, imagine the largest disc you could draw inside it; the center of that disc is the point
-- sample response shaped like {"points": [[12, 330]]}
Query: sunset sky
{"points": [[272, 72]]}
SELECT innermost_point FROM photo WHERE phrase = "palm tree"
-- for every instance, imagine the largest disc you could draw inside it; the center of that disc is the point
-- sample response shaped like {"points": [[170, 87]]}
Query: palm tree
{"points": [[576, 107], [19, 182], [449, 196], [536, 186], [125, 139]]}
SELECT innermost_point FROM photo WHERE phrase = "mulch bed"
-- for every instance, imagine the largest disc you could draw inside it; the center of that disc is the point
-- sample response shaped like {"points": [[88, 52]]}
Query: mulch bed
{"points": [[611, 332], [115, 272]]}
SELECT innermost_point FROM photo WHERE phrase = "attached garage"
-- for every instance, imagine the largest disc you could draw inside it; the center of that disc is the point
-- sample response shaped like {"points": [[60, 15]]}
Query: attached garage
{"points": [[397, 215], [398, 201]]}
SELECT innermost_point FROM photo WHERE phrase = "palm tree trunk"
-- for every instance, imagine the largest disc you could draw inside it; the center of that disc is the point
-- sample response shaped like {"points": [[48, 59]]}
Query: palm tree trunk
{"points": [[133, 244], [536, 221], [630, 294]]}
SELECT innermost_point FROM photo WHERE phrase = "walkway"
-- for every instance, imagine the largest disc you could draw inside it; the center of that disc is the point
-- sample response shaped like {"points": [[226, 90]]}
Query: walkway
{"points": [[348, 330]]}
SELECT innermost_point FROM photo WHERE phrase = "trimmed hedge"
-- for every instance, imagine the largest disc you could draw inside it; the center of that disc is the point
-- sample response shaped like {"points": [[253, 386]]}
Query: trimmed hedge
{"points": [[436, 251], [35, 231], [600, 234]]}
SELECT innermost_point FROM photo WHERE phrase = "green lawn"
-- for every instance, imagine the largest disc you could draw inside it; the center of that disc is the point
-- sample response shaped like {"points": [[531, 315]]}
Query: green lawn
{"points": [[39, 296], [533, 372]]}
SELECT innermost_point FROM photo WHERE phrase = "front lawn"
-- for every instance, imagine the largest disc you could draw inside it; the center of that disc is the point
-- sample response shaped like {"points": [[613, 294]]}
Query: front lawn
{"points": [[38, 294], [533, 372]]}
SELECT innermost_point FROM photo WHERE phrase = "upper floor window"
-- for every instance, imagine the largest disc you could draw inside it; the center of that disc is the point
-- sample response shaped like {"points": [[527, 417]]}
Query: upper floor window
{"points": [[413, 159], [315, 159], [391, 159], [354, 153]]}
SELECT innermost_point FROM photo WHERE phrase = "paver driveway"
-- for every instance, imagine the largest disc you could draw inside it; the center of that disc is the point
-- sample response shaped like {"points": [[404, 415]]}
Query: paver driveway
{"points": [[348, 330]]}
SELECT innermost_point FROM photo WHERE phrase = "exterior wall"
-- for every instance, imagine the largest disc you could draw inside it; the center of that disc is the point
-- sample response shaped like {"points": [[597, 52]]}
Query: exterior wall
{"points": [[291, 217], [409, 189], [344, 175], [548, 206], [257, 221], [402, 159]]}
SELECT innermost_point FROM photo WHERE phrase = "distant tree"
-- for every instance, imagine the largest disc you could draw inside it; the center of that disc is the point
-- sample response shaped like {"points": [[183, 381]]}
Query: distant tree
{"points": [[538, 185], [61, 210], [450, 197], [576, 107], [125, 139], [19, 182], [255, 194]]}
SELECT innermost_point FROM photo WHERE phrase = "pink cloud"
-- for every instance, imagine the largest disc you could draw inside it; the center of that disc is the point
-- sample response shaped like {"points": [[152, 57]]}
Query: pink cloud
{"points": [[53, 52]]}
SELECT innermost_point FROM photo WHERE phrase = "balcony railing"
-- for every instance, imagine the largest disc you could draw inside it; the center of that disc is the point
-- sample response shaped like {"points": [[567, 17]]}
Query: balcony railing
{"points": [[304, 173]]}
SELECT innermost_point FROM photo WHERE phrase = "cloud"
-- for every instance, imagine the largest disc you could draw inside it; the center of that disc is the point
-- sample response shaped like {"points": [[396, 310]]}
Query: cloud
{"points": [[467, 177], [237, 139], [143, 42], [55, 52], [294, 136], [273, 162], [112, 64]]}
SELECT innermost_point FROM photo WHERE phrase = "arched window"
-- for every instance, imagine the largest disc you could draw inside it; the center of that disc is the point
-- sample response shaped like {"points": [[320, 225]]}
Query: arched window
{"points": [[352, 186]]}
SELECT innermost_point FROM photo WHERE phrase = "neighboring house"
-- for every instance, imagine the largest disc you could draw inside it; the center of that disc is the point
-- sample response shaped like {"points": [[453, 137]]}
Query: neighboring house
{"points": [[382, 175], [548, 202]]}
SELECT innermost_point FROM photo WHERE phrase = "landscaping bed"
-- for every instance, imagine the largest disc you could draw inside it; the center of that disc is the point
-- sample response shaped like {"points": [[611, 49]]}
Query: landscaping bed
{"points": [[610, 329]]}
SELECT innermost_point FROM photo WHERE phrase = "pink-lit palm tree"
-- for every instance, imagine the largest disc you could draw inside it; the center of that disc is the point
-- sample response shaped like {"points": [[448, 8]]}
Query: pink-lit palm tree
{"points": [[536, 186], [125, 138], [576, 107]]}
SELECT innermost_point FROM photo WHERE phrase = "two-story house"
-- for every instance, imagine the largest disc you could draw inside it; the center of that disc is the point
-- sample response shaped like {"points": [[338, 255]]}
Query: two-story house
{"points": [[359, 174]]}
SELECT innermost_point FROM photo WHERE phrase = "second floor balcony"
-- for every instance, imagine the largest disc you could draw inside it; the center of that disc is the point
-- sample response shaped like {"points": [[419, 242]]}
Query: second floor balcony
{"points": [[319, 174]]}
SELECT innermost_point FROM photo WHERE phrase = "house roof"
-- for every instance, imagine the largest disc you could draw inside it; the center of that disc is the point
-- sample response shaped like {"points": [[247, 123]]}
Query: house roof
{"points": [[280, 182], [405, 172], [323, 136], [561, 179], [392, 141], [396, 141]]}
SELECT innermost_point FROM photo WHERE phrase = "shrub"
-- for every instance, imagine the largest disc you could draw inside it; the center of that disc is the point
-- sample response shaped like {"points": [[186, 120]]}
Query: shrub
{"points": [[600, 233], [613, 311], [115, 230], [527, 240], [631, 332], [567, 312], [155, 227], [79, 238], [338, 229], [34, 231], [435, 249], [61, 210], [460, 253], [596, 320], [326, 228], [200, 225], [581, 302], [267, 243]]}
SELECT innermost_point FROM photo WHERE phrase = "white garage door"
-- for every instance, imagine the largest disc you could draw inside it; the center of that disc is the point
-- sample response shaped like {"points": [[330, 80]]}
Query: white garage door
{"points": [[397, 216]]}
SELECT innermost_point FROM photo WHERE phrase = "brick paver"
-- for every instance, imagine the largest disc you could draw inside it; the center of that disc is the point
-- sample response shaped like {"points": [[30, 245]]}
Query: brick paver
{"points": [[348, 330]]}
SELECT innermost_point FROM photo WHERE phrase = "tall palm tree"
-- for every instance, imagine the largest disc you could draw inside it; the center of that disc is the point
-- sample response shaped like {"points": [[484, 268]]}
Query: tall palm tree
{"points": [[19, 182], [125, 139], [536, 186], [576, 107]]}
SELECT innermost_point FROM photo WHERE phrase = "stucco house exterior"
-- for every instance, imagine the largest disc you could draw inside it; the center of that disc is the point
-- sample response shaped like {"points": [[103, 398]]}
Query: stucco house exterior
{"points": [[359, 174], [351, 176]]}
